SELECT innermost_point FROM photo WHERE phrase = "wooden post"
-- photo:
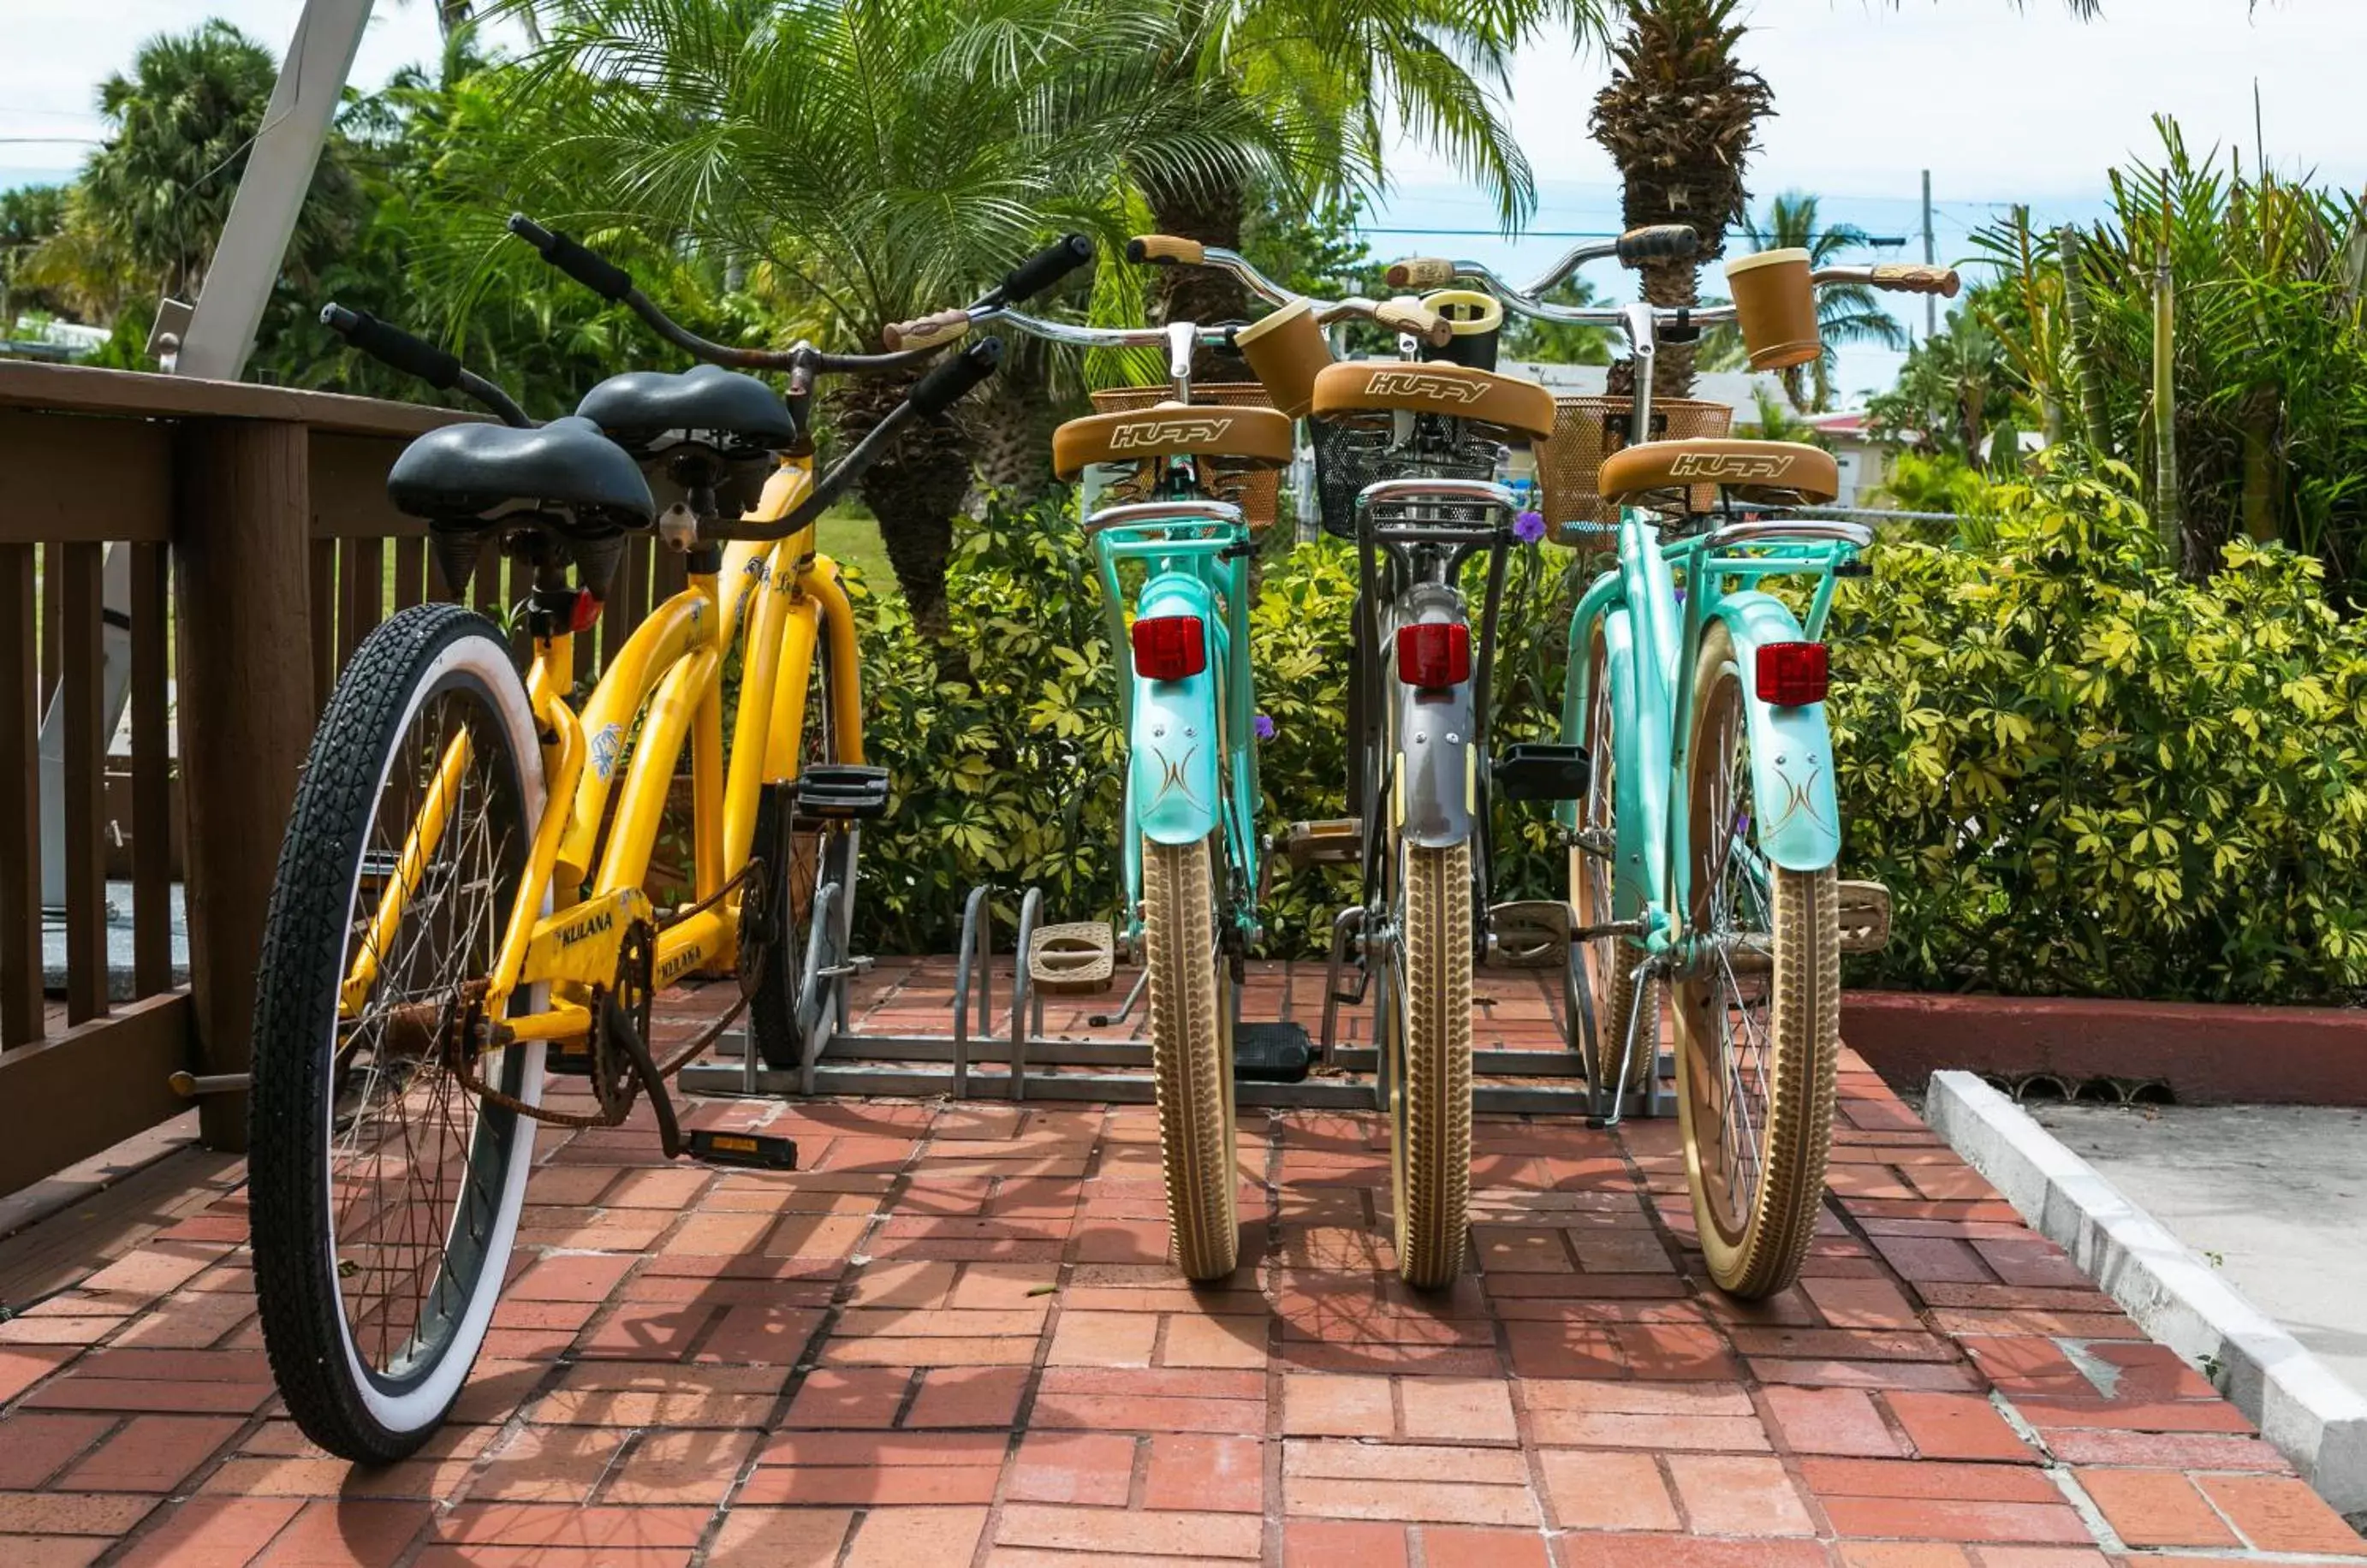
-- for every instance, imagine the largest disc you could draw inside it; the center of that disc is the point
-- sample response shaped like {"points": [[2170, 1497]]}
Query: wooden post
{"points": [[241, 530], [20, 816]]}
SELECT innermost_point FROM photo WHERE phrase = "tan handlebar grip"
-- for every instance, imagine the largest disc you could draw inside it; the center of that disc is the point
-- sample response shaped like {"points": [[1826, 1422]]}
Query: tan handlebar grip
{"points": [[1422, 272], [1917, 279], [1413, 316], [1165, 250], [927, 332]]}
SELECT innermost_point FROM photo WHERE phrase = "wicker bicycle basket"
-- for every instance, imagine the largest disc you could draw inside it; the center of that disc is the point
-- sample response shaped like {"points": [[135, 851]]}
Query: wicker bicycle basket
{"points": [[1589, 429], [1260, 493]]}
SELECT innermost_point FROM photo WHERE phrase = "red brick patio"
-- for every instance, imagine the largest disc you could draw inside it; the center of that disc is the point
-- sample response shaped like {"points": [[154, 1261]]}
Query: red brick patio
{"points": [[952, 1339]]}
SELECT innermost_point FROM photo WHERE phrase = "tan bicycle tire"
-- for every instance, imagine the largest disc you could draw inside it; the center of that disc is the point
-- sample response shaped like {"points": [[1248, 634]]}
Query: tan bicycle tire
{"points": [[1190, 1056], [1430, 1159], [1762, 1253]]}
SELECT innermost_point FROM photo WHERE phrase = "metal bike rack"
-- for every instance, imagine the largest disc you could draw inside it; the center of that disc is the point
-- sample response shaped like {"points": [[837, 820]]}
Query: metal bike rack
{"points": [[991, 1054]]}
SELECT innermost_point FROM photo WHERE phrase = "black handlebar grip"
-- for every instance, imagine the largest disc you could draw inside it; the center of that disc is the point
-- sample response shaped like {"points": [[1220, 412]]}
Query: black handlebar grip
{"points": [[1046, 268], [1660, 242], [945, 386], [602, 277], [392, 346]]}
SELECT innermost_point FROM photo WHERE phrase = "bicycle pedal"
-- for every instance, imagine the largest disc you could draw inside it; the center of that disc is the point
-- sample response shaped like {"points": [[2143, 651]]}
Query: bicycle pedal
{"points": [[1531, 934], [1072, 959], [839, 792], [1271, 1052], [1539, 769], [1865, 908], [1339, 841], [750, 1151]]}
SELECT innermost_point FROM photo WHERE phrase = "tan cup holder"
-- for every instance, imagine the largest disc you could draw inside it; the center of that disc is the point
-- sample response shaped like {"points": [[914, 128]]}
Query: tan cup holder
{"points": [[1287, 351], [1776, 304]]}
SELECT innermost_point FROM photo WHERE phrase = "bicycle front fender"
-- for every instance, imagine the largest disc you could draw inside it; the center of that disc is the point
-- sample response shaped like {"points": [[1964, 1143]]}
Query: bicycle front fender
{"points": [[1174, 739], [1790, 747]]}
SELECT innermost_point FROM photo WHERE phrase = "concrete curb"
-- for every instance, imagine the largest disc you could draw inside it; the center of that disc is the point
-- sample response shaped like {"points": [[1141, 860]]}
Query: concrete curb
{"points": [[2312, 1417]]}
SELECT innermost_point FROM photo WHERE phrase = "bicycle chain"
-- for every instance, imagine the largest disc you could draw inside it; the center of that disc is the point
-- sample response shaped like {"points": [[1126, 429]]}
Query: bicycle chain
{"points": [[635, 959]]}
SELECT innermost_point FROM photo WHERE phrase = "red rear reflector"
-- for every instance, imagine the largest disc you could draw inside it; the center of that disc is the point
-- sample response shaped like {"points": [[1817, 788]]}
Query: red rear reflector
{"points": [[586, 611], [1168, 647], [1435, 653], [1793, 674]]}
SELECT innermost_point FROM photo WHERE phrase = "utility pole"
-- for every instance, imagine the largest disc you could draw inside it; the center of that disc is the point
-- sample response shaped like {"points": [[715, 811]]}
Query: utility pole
{"points": [[1931, 258]]}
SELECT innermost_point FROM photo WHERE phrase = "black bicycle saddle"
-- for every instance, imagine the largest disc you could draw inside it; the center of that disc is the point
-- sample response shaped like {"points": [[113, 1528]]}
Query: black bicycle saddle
{"points": [[468, 470], [735, 415]]}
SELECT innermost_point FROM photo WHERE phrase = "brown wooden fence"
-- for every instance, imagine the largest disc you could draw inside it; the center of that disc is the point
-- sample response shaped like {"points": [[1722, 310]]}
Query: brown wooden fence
{"points": [[263, 550]]}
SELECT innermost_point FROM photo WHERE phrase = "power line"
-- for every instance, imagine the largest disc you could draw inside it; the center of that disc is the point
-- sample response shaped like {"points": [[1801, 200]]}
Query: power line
{"points": [[1880, 241]]}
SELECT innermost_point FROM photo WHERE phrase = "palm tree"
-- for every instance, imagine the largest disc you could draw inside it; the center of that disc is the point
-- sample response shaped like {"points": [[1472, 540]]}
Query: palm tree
{"points": [[1336, 79], [1845, 312], [1680, 118], [860, 162], [145, 217]]}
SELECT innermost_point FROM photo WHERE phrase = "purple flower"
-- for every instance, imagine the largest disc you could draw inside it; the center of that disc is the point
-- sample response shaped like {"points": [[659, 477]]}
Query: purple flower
{"points": [[1265, 728], [1529, 527]]}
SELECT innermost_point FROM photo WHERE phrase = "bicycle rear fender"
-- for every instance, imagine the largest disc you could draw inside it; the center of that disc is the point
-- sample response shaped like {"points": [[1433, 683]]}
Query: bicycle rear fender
{"points": [[1173, 739], [1435, 762], [1790, 747]]}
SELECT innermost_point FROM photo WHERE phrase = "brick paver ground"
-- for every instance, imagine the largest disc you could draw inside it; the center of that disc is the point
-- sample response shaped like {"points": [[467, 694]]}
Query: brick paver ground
{"points": [[953, 1339]]}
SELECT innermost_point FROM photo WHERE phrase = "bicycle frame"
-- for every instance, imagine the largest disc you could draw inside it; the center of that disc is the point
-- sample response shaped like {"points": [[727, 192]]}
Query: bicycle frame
{"points": [[1191, 748], [782, 601], [1652, 635]]}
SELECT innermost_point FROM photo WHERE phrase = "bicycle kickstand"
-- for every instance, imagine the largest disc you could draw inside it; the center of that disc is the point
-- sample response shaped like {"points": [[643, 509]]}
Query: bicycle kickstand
{"points": [[1628, 1055]]}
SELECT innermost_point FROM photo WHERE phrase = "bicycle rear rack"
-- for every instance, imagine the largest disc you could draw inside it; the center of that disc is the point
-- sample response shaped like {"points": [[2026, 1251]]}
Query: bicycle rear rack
{"points": [[991, 1053]]}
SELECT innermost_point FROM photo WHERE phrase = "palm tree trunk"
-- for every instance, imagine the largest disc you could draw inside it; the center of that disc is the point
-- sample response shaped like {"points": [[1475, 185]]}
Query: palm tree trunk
{"points": [[2169, 511], [914, 489], [2078, 314], [1210, 212]]}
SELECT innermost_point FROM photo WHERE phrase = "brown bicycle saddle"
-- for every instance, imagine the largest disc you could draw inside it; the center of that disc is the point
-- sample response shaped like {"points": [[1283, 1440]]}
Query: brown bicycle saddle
{"points": [[1236, 437], [1518, 408], [1776, 473]]}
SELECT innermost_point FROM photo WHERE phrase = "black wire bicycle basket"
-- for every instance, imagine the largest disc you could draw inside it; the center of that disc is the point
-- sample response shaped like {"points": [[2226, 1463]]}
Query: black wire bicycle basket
{"points": [[1351, 453]]}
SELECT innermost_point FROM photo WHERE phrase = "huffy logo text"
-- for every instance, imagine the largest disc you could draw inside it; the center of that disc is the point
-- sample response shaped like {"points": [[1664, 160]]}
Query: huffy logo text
{"points": [[1724, 466], [1185, 432], [1426, 385]]}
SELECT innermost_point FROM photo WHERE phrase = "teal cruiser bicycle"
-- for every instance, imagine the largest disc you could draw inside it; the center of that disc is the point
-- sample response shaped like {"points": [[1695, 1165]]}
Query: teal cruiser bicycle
{"points": [[1172, 545], [1702, 856]]}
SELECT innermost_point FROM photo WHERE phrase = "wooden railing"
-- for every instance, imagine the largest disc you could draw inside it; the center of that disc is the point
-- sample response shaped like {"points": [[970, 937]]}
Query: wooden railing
{"points": [[263, 550]]}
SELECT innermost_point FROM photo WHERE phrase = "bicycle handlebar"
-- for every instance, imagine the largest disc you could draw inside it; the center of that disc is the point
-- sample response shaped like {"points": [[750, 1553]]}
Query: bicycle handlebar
{"points": [[610, 281], [390, 345], [1405, 314]]}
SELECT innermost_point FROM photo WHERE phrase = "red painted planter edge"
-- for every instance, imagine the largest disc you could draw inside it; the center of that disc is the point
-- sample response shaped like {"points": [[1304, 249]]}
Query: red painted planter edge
{"points": [[2208, 1052]]}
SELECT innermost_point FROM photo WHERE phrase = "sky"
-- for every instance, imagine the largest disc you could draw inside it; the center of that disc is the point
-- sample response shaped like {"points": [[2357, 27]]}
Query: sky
{"points": [[2001, 105]]}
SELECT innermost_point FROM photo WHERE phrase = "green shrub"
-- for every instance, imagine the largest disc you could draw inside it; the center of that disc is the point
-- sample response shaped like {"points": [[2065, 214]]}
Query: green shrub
{"points": [[1008, 761], [2076, 774], [2081, 776]]}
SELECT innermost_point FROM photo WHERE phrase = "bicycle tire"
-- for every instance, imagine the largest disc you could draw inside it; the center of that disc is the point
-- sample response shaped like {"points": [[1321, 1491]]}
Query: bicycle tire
{"points": [[1191, 1053], [1758, 1188], [1430, 1142], [1608, 962], [431, 663]]}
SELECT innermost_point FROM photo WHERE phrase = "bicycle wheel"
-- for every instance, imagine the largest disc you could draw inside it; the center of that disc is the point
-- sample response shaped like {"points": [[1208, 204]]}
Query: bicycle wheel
{"points": [[1758, 1021], [1608, 962], [801, 950], [384, 1195], [1429, 1060], [1192, 1055]]}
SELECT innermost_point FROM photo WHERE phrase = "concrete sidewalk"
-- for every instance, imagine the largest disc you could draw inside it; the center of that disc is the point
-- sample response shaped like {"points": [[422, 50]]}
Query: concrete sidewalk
{"points": [[2274, 1195]]}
